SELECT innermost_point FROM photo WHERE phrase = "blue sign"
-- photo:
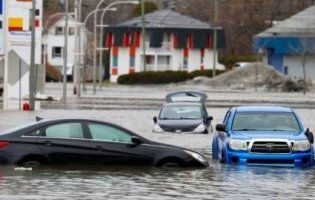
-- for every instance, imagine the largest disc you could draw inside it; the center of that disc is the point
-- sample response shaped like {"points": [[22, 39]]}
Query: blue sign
{"points": [[1, 7]]}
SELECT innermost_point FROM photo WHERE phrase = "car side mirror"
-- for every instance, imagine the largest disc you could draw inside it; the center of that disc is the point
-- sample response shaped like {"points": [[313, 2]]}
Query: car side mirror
{"points": [[136, 140], [309, 136], [220, 127], [155, 120], [209, 118]]}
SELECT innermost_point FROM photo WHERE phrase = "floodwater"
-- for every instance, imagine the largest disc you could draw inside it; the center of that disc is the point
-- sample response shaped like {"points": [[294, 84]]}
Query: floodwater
{"points": [[218, 181]]}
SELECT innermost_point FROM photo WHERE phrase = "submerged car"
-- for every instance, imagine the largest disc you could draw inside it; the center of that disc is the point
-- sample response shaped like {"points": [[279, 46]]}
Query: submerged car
{"points": [[263, 135], [183, 112], [84, 141]]}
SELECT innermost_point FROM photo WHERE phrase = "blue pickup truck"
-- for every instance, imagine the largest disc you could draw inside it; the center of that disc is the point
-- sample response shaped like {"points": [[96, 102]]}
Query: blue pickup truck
{"points": [[263, 135]]}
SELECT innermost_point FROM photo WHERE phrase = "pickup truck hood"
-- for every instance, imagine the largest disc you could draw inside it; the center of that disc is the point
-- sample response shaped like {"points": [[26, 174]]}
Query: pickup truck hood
{"points": [[247, 135]]}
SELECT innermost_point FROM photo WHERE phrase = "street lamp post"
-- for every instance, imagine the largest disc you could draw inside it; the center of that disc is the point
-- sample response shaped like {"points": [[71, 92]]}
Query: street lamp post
{"points": [[32, 86], [65, 56], [215, 36], [143, 34], [95, 34], [102, 26]]}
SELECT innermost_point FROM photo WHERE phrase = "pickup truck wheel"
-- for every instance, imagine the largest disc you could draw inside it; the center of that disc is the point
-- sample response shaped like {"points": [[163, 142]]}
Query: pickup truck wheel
{"points": [[222, 160]]}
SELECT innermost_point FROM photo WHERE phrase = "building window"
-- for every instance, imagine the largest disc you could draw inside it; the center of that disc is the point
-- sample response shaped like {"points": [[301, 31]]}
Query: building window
{"points": [[71, 30], [37, 12], [57, 52], [59, 30], [0, 24]]}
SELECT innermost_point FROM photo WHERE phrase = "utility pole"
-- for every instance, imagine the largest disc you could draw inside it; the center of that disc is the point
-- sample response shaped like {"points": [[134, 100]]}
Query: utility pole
{"points": [[76, 48], [80, 47], [32, 86], [215, 36], [143, 34], [65, 56]]}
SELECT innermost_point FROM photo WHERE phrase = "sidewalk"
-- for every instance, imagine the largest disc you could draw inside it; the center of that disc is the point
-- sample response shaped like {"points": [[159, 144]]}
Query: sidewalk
{"points": [[152, 97]]}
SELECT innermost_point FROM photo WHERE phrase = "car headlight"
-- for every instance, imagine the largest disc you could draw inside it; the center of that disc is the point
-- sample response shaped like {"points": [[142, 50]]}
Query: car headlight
{"points": [[200, 128], [157, 129], [197, 156], [302, 145], [238, 145]]}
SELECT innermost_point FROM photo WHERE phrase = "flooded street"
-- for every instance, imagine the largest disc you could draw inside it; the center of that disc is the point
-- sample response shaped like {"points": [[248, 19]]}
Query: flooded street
{"points": [[217, 181]]}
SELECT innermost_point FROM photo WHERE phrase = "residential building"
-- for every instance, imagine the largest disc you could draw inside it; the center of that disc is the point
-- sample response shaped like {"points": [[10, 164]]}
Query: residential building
{"points": [[53, 42], [173, 42], [289, 44]]}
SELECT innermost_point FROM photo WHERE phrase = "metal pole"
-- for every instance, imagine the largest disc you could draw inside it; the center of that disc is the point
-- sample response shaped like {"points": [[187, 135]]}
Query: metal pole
{"points": [[215, 36], [65, 57], [80, 46], [101, 54], [143, 35], [94, 54], [76, 47], [20, 84], [32, 60]]}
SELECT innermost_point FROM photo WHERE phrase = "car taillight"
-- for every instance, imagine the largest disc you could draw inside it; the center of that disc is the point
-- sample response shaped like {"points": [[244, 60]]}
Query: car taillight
{"points": [[4, 144]]}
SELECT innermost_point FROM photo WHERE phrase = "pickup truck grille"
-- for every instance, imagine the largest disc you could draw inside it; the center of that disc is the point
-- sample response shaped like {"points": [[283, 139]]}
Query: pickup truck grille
{"points": [[270, 147]]}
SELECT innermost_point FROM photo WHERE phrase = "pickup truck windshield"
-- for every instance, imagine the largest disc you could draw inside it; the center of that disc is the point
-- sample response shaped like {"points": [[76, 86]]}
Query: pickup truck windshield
{"points": [[265, 121], [181, 112]]}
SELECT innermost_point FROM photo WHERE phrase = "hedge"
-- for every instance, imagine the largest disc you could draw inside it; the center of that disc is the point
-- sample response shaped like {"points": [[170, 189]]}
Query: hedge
{"points": [[151, 77], [162, 77], [229, 61]]}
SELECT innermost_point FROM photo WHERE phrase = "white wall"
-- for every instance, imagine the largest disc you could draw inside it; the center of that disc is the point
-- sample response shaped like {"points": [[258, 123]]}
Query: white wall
{"points": [[294, 65], [52, 40], [176, 59]]}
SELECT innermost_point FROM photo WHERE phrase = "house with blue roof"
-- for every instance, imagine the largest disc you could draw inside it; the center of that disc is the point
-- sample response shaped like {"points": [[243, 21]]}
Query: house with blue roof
{"points": [[290, 44]]}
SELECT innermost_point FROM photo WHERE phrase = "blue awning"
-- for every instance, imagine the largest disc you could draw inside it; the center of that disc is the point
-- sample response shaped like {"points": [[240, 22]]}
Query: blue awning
{"points": [[286, 45]]}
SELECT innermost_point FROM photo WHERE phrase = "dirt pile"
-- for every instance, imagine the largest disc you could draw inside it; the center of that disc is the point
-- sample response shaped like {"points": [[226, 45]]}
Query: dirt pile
{"points": [[249, 76]]}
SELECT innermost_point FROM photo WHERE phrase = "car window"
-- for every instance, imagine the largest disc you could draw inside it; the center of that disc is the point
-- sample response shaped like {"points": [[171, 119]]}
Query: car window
{"points": [[272, 121], [34, 133], [226, 116], [109, 133], [65, 130], [181, 112]]}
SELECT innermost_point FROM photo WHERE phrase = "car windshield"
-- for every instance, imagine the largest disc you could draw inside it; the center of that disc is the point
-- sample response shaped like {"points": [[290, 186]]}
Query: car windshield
{"points": [[181, 112], [266, 121]]}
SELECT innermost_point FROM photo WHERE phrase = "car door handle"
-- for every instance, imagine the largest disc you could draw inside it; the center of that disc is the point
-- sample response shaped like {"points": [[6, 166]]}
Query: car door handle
{"points": [[48, 143], [99, 148]]}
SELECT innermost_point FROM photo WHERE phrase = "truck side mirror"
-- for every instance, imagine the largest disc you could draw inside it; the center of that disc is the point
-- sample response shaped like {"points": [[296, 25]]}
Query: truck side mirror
{"points": [[309, 136], [155, 120], [220, 127]]}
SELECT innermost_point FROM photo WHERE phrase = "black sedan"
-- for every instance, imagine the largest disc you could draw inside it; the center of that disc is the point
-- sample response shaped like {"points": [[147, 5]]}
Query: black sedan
{"points": [[85, 141]]}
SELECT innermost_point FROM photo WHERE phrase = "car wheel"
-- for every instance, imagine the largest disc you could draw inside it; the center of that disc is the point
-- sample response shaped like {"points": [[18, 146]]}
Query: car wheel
{"points": [[222, 160], [171, 165], [31, 163]]}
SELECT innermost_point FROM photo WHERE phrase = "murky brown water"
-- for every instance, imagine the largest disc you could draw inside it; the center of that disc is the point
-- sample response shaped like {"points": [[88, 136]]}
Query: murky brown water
{"points": [[216, 182]]}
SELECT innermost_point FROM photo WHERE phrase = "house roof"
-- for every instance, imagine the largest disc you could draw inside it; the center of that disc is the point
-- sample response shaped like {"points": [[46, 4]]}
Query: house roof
{"points": [[166, 19], [300, 24], [51, 21]]}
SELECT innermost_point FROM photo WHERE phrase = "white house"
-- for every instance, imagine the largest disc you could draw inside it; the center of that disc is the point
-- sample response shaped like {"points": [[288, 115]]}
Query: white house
{"points": [[289, 43], [53, 42], [173, 42], [15, 48]]}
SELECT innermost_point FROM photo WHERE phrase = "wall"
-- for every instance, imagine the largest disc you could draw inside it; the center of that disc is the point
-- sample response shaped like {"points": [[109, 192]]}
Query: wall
{"points": [[295, 67], [176, 60]]}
